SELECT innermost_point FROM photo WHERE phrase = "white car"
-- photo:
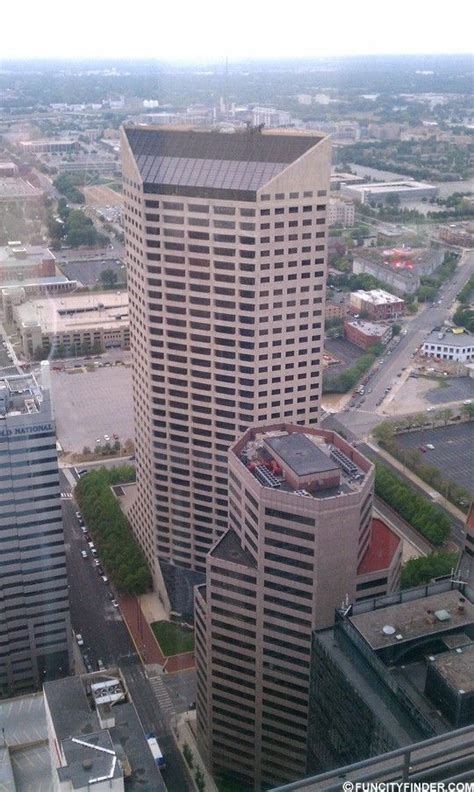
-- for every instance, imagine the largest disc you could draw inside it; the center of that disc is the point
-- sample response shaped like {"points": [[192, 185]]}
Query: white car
{"points": [[106, 438], [83, 554], [84, 529], [79, 516], [430, 446], [79, 639], [105, 578], [115, 603]]}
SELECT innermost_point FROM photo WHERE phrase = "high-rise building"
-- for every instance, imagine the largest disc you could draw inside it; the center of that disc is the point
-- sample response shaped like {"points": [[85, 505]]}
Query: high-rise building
{"points": [[299, 544], [225, 239], [35, 631]]}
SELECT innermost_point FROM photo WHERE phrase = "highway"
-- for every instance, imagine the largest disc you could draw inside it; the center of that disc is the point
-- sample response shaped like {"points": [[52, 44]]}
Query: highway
{"points": [[106, 638]]}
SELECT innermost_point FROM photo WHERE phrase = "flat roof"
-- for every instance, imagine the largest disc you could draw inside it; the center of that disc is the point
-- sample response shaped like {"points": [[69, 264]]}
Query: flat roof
{"points": [[457, 667], [15, 187], [89, 760], [413, 619], [230, 549], [392, 186], [24, 719], [368, 328], [69, 312], [383, 546], [301, 454], [450, 339], [175, 160], [376, 296], [30, 253]]}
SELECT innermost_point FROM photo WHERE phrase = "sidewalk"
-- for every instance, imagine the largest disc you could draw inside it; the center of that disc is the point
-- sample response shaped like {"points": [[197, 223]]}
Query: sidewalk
{"points": [[144, 639], [185, 733], [450, 507]]}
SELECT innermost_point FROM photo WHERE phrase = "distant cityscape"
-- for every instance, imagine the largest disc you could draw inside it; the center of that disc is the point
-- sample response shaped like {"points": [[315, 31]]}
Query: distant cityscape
{"points": [[236, 425]]}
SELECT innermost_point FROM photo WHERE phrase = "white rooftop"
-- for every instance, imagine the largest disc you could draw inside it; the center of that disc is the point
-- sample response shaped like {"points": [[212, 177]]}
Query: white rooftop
{"points": [[376, 296]]}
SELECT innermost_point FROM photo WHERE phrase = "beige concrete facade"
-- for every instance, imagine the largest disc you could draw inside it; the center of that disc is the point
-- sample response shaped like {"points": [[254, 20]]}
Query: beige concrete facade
{"points": [[300, 517], [226, 293]]}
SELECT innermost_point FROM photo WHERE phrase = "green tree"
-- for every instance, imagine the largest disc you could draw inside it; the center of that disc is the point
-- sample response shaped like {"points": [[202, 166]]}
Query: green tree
{"points": [[396, 329], [468, 411], [188, 755], [417, 571], [444, 415], [108, 277], [200, 780]]}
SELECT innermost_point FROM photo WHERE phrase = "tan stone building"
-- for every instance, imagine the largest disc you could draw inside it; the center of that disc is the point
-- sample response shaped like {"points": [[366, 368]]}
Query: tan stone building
{"points": [[299, 545], [225, 239]]}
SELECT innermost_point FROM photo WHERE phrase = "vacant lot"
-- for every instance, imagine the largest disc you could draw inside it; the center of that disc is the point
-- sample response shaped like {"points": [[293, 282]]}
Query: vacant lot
{"points": [[172, 638], [88, 405], [97, 195], [453, 451]]}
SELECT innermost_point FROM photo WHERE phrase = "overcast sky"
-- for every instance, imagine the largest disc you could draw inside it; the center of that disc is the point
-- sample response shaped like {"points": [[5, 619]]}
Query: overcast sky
{"points": [[214, 29]]}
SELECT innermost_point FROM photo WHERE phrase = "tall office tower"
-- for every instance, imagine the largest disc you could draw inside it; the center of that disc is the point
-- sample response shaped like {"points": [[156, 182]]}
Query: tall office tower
{"points": [[225, 238], [35, 631], [300, 517]]}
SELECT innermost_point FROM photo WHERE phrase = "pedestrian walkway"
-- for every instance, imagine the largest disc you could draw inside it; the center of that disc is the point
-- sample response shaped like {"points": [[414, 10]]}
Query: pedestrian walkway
{"points": [[152, 607], [185, 735], [162, 695], [140, 631]]}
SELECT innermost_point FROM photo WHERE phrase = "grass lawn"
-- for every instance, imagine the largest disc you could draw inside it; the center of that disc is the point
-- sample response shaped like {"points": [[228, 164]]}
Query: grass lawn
{"points": [[172, 638]]}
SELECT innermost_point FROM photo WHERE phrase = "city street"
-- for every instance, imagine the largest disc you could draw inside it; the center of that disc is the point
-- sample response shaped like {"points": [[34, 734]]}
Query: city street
{"points": [[106, 638], [418, 328]]}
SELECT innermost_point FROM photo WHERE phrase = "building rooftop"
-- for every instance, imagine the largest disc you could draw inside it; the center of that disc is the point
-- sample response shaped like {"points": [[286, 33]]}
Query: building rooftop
{"points": [[376, 296], [306, 462], [368, 328], [404, 259], [16, 253], [75, 312], [301, 454], [392, 186], [450, 338], [176, 160], [77, 726], [31, 283], [12, 187], [229, 548], [457, 667], [383, 546], [411, 619], [90, 761], [20, 394]]}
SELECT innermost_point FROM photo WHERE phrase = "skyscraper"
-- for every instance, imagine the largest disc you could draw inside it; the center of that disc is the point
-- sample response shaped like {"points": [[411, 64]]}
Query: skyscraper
{"points": [[225, 238], [35, 631], [300, 522]]}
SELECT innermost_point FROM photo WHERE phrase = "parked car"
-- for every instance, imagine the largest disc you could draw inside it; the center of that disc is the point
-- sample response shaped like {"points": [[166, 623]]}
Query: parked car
{"points": [[79, 639], [84, 529], [105, 578], [430, 446], [79, 516], [83, 553], [423, 448], [115, 603]]}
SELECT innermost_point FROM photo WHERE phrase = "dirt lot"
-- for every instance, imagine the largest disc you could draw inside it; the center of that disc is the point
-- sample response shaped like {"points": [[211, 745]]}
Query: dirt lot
{"points": [[98, 195]]}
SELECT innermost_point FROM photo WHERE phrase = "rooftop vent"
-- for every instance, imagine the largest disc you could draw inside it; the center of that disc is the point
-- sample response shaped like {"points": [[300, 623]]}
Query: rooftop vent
{"points": [[388, 630], [87, 764], [443, 615]]}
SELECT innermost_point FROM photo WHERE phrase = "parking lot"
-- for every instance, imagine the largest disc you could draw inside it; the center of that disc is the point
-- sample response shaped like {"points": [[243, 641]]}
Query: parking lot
{"points": [[451, 390], [88, 272], [453, 451], [88, 405]]}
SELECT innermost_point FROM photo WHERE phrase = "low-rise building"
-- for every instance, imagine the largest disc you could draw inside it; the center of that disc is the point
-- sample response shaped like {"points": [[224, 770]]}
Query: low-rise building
{"points": [[399, 667], [378, 192], [8, 169], [43, 146], [71, 324], [19, 262], [366, 334], [377, 304], [15, 294], [401, 268], [461, 234], [455, 344], [96, 740], [334, 310], [341, 211]]}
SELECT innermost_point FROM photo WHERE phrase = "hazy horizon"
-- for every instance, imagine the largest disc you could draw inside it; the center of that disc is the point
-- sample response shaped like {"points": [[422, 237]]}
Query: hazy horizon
{"points": [[255, 31]]}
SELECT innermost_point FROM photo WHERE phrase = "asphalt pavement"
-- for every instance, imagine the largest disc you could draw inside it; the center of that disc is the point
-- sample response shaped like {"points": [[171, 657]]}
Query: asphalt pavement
{"points": [[106, 638], [401, 355]]}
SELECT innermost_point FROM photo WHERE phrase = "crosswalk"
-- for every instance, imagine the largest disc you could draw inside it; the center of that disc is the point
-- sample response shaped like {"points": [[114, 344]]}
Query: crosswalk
{"points": [[162, 696], [66, 495]]}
